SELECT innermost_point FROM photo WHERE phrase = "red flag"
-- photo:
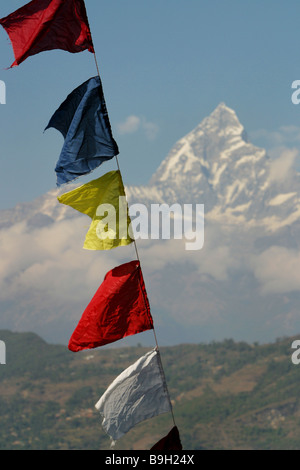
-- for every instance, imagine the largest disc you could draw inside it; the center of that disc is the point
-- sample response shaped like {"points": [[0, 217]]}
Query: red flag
{"points": [[119, 308], [44, 25], [169, 442]]}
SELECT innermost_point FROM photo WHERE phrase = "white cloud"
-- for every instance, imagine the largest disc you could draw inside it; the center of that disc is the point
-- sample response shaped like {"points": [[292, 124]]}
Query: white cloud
{"points": [[214, 259], [283, 142], [282, 167], [277, 270], [133, 124], [50, 263], [130, 125]]}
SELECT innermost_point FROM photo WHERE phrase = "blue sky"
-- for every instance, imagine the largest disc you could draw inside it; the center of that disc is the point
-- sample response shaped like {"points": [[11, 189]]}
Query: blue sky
{"points": [[165, 65]]}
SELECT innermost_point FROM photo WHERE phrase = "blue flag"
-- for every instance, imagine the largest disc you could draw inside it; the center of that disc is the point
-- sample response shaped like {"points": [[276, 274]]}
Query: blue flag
{"points": [[84, 123]]}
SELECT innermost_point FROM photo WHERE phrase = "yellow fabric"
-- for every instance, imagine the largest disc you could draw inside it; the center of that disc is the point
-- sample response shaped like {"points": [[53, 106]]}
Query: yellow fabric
{"points": [[105, 202]]}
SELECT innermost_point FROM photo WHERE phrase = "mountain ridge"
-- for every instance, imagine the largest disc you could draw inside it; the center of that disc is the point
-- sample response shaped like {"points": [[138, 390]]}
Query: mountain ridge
{"points": [[249, 392]]}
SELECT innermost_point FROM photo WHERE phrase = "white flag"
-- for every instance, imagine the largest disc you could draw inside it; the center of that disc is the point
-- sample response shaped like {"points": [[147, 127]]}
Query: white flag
{"points": [[135, 395]]}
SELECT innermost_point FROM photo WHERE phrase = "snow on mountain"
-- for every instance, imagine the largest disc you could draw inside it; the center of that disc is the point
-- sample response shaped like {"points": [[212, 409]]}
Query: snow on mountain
{"points": [[216, 165]]}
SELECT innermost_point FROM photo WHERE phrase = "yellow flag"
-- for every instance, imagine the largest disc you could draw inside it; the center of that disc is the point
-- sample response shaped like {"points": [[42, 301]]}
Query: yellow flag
{"points": [[105, 202]]}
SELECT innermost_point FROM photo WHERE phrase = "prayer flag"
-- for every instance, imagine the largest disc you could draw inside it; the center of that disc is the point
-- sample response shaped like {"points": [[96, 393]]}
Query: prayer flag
{"points": [[137, 394], [169, 442], [84, 123], [105, 202], [119, 308], [44, 25]]}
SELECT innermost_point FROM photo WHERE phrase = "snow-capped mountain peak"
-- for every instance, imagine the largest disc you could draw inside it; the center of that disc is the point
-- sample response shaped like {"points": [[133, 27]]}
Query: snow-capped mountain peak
{"points": [[216, 165], [205, 149], [223, 121]]}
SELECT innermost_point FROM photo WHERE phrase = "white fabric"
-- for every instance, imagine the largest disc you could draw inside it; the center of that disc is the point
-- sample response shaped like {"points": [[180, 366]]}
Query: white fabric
{"points": [[135, 395]]}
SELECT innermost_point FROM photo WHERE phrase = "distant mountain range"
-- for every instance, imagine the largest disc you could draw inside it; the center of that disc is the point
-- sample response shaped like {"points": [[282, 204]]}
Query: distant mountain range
{"points": [[244, 283]]}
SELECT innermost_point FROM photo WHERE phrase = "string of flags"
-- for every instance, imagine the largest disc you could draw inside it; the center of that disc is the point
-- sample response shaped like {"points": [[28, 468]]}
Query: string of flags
{"points": [[120, 307]]}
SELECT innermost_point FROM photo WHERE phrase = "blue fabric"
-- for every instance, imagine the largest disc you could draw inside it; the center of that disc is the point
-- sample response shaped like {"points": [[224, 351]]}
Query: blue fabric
{"points": [[84, 123]]}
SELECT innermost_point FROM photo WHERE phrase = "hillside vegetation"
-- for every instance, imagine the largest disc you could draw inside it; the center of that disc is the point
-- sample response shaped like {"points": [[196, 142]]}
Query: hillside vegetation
{"points": [[226, 395]]}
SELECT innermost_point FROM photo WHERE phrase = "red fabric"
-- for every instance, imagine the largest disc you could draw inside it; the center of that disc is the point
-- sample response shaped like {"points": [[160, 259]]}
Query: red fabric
{"points": [[169, 442], [119, 308], [44, 25]]}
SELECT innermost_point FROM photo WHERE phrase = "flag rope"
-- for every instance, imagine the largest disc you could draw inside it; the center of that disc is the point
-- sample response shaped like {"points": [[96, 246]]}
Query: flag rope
{"points": [[138, 257], [97, 67]]}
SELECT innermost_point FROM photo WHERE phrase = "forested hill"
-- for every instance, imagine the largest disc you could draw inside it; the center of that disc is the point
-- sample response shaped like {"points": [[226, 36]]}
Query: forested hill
{"points": [[226, 395]]}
